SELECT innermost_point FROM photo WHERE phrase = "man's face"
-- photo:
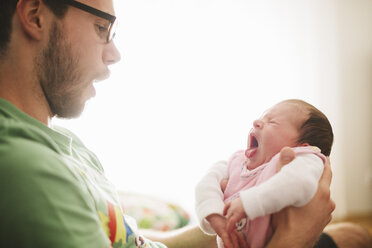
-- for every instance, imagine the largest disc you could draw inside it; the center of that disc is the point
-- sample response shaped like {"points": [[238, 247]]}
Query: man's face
{"points": [[75, 57]]}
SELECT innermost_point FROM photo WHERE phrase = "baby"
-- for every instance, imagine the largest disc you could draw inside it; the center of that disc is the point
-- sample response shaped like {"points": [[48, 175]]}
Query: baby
{"points": [[256, 187]]}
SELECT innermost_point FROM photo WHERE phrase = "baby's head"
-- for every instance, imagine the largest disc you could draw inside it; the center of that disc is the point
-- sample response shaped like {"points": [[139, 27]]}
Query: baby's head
{"points": [[288, 123]]}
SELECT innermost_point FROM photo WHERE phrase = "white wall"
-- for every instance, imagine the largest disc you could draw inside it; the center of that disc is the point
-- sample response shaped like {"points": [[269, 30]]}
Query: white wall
{"points": [[355, 49], [345, 94]]}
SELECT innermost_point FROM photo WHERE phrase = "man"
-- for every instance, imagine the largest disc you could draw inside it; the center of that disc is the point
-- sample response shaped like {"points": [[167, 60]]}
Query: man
{"points": [[53, 189]]}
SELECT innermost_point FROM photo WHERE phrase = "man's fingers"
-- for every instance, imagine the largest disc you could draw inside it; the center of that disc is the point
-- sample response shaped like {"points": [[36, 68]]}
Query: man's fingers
{"points": [[324, 186], [286, 156], [327, 174], [226, 241], [242, 242], [234, 238], [230, 226]]}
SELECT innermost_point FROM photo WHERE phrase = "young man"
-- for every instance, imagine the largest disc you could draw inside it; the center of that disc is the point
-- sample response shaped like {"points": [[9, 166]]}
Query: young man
{"points": [[53, 189]]}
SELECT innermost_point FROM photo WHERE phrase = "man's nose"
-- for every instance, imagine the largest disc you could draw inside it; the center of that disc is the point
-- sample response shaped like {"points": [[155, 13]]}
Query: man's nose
{"points": [[111, 54]]}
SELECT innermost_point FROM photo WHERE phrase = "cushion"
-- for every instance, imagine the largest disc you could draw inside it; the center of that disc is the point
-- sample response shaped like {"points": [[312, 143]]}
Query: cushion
{"points": [[153, 213]]}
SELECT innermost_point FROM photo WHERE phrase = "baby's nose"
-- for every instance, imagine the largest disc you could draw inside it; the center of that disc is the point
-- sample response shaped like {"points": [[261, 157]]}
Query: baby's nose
{"points": [[258, 124]]}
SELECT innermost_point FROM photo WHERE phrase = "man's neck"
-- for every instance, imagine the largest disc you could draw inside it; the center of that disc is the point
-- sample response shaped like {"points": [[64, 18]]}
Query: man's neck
{"points": [[20, 86]]}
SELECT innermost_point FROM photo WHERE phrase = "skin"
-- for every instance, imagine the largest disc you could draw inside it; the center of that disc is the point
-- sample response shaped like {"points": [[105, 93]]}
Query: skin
{"points": [[347, 234], [277, 128], [230, 238], [84, 58], [93, 55]]}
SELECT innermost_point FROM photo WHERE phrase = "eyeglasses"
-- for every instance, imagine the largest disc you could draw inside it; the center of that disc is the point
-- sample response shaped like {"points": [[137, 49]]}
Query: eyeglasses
{"points": [[112, 19]]}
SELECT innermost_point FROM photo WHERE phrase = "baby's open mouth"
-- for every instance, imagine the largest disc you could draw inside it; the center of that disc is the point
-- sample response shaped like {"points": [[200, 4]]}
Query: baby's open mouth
{"points": [[254, 142], [253, 145]]}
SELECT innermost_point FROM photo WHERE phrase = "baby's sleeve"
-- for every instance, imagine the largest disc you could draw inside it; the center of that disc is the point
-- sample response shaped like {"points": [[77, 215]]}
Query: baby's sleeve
{"points": [[294, 185], [209, 196]]}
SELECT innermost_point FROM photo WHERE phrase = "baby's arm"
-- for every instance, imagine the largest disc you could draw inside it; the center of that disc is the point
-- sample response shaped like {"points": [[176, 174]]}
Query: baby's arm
{"points": [[294, 185], [209, 196]]}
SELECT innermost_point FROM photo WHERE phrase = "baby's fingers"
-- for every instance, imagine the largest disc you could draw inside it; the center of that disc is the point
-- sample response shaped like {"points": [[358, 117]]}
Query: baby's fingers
{"points": [[231, 223], [226, 208]]}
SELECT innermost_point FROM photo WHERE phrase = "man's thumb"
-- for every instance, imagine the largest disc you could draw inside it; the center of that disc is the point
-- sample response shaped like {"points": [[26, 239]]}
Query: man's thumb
{"points": [[286, 155]]}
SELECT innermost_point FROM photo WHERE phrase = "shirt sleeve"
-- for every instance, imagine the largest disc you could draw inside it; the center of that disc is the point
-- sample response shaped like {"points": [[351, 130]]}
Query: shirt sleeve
{"points": [[294, 185], [209, 196]]}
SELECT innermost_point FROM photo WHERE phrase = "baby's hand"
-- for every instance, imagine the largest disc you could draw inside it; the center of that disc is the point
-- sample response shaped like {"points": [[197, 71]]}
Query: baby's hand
{"points": [[234, 212]]}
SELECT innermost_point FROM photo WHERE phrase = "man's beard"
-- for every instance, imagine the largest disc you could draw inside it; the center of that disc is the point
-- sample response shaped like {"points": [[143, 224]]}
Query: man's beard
{"points": [[57, 72]]}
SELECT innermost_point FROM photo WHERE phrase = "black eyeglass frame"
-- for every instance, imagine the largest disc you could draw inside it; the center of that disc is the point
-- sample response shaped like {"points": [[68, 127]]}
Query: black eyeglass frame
{"points": [[96, 12]]}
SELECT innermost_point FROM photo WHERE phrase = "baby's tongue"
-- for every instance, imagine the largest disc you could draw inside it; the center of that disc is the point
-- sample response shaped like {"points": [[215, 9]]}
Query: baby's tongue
{"points": [[249, 153]]}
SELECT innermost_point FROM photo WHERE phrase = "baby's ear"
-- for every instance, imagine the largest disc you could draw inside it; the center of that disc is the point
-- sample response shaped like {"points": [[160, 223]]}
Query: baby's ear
{"points": [[305, 144]]}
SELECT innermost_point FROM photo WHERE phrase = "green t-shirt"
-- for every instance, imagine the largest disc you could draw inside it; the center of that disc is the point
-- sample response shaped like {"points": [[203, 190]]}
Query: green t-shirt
{"points": [[54, 192]]}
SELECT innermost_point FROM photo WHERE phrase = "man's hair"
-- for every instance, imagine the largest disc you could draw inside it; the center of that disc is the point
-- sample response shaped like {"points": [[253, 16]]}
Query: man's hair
{"points": [[316, 129], [7, 10]]}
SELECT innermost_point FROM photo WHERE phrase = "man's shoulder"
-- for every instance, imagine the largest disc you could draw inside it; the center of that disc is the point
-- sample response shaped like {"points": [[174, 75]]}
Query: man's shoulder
{"points": [[23, 132], [26, 147], [24, 154]]}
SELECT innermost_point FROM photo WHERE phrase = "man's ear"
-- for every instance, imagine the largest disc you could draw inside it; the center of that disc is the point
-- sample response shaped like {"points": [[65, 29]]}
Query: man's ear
{"points": [[31, 16]]}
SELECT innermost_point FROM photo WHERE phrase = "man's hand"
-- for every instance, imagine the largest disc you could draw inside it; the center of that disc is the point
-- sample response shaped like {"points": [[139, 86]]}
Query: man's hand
{"points": [[301, 227], [234, 212]]}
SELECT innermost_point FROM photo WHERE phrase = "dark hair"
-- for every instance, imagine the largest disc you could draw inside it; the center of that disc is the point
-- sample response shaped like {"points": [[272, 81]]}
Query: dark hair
{"points": [[7, 10], [316, 130]]}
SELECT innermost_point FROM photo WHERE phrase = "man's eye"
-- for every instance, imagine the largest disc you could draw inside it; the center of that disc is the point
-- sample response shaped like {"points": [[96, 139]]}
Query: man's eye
{"points": [[101, 28]]}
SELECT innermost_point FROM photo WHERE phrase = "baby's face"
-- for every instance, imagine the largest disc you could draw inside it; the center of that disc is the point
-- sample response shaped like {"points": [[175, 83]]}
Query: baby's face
{"points": [[278, 127]]}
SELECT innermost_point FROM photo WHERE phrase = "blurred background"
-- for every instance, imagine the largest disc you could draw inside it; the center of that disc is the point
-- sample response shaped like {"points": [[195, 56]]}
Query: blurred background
{"points": [[195, 74]]}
